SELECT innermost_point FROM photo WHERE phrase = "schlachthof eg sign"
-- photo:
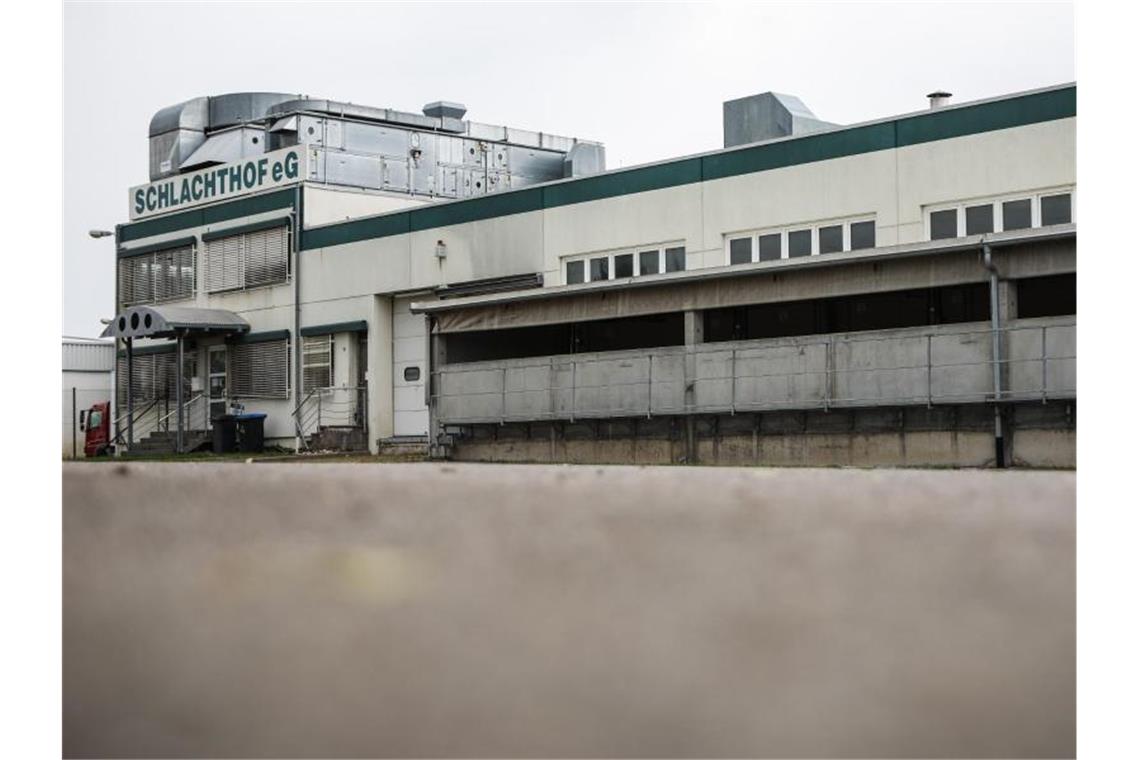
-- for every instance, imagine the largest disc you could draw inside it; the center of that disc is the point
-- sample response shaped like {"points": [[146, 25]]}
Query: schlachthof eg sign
{"points": [[249, 175]]}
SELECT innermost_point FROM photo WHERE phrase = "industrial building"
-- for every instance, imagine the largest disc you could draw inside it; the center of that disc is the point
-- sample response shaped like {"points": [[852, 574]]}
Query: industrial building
{"points": [[87, 367], [901, 291]]}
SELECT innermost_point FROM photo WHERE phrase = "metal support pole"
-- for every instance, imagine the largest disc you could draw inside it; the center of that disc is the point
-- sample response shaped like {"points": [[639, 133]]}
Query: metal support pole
{"points": [[178, 395], [995, 328], [74, 426], [130, 395]]}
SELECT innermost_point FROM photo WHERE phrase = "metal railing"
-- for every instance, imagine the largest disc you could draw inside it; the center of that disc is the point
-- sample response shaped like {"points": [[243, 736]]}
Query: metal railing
{"points": [[141, 422], [910, 366], [344, 407], [195, 415]]}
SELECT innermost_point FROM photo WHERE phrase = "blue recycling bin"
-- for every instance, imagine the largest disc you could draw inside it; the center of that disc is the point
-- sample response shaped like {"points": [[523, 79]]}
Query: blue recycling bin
{"points": [[250, 431]]}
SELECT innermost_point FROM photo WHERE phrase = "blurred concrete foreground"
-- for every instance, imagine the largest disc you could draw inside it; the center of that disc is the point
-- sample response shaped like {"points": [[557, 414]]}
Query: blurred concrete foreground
{"points": [[354, 610]]}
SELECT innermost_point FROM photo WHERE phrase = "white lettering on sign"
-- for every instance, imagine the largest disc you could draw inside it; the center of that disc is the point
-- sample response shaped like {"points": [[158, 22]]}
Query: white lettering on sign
{"points": [[249, 175]]}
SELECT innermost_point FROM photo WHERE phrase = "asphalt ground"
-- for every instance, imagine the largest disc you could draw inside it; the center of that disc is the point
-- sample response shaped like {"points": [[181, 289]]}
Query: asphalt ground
{"points": [[355, 610]]}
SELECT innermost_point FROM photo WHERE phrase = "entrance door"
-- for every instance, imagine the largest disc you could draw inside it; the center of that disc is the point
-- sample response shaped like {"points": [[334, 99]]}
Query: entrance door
{"points": [[217, 380], [409, 365]]}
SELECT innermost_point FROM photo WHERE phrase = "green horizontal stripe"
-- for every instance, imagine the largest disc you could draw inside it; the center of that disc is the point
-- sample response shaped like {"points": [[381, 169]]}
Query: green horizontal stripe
{"points": [[609, 185], [147, 350], [474, 209], [803, 150], [942, 124], [261, 337], [126, 253], [358, 229], [337, 327], [938, 124], [267, 224], [200, 217]]}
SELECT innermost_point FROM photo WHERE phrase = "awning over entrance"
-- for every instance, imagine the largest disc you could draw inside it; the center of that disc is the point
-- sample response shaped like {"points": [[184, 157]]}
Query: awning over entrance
{"points": [[171, 321]]}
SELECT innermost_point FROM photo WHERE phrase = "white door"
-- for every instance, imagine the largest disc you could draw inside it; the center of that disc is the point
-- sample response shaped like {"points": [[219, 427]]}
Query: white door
{"points": [[216, 363], [409, 368]]}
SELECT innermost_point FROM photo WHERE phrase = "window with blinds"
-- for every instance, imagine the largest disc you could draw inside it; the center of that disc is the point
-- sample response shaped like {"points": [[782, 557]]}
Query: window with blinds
{"points": [[247, 260], [159, 276], [260, 370], [153, 378], [317, 361]]}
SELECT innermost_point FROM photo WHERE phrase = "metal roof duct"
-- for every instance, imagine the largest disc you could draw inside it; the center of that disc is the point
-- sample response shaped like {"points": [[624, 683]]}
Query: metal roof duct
{"points": [[768, 116], [241, 107], [443, 108], [177, 132]]}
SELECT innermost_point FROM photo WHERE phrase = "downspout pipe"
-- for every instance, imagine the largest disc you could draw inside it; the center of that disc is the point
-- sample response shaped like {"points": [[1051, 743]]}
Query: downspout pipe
{"points": [[297, 377], [995, 339]]}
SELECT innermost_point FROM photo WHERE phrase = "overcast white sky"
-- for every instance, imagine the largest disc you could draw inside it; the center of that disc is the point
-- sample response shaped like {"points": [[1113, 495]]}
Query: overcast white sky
{"points": [[647, 80]]}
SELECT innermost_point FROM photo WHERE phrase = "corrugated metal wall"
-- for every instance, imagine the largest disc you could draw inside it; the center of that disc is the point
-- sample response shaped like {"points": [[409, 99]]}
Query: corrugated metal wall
{"points": [[88, 355]]}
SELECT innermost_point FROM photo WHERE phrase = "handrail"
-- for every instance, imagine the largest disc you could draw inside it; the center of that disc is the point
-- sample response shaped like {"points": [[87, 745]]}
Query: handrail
{"points": [[185, 404], [314, 409], [138, 414]]}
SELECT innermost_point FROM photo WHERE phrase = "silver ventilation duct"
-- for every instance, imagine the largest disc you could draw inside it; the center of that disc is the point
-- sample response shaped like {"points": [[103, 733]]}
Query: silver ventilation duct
{"points": [[431, 154], [767, 116], [179, 132]]}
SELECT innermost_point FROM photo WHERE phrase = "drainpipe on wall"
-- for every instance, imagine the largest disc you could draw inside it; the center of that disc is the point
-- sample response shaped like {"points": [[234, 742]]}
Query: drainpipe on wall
{"points": [[114, 400], [995, 329], [297, 222]]}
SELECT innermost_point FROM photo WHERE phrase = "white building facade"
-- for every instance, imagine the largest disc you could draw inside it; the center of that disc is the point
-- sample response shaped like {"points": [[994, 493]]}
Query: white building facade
{"points": [[326, 274]]}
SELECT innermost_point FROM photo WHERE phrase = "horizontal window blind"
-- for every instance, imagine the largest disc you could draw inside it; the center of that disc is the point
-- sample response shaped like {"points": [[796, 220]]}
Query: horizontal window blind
{"points": [[317, 361], [160, 276], [260, 370], [153, 377], [247, 260]]}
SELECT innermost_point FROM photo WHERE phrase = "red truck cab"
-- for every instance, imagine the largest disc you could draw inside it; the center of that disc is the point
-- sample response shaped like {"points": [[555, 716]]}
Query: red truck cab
{"points": [[96, 424]]}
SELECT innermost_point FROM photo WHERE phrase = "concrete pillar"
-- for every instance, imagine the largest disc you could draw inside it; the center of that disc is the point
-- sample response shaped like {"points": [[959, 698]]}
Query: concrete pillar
{"points": [[1007, 300], [381, 418], [694, 334]]}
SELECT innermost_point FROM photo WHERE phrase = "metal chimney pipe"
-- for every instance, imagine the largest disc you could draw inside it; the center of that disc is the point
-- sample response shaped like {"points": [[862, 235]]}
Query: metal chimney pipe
{"points": [[939, 98]]}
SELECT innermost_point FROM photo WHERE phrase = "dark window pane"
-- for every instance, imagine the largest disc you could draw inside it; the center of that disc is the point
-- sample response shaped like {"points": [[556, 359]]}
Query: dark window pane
{"points": [[944, 224], [675, 259], [575, 272], [1051, 296], [1015, 215], [623, 265], [740, 251], [649, 262], [599, 269], [862, 235], [770, 247], [831, 239], [1056, 209], [799, 243], [979, 219]]}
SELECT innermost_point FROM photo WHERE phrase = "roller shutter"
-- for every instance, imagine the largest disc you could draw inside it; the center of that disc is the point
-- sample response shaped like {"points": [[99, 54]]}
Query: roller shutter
{"points": [[159, 276], [317, 361], [260, 370], [247, 260]]}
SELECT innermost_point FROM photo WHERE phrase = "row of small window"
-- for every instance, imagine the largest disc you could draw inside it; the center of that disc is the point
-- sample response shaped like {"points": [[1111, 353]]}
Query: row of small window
{"points": [[792, 243], [618, 265], [1001, 216]]}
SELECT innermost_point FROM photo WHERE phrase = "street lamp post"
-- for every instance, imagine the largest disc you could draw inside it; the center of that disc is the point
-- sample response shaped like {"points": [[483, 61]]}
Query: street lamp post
{"points": [[96, 234]]}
